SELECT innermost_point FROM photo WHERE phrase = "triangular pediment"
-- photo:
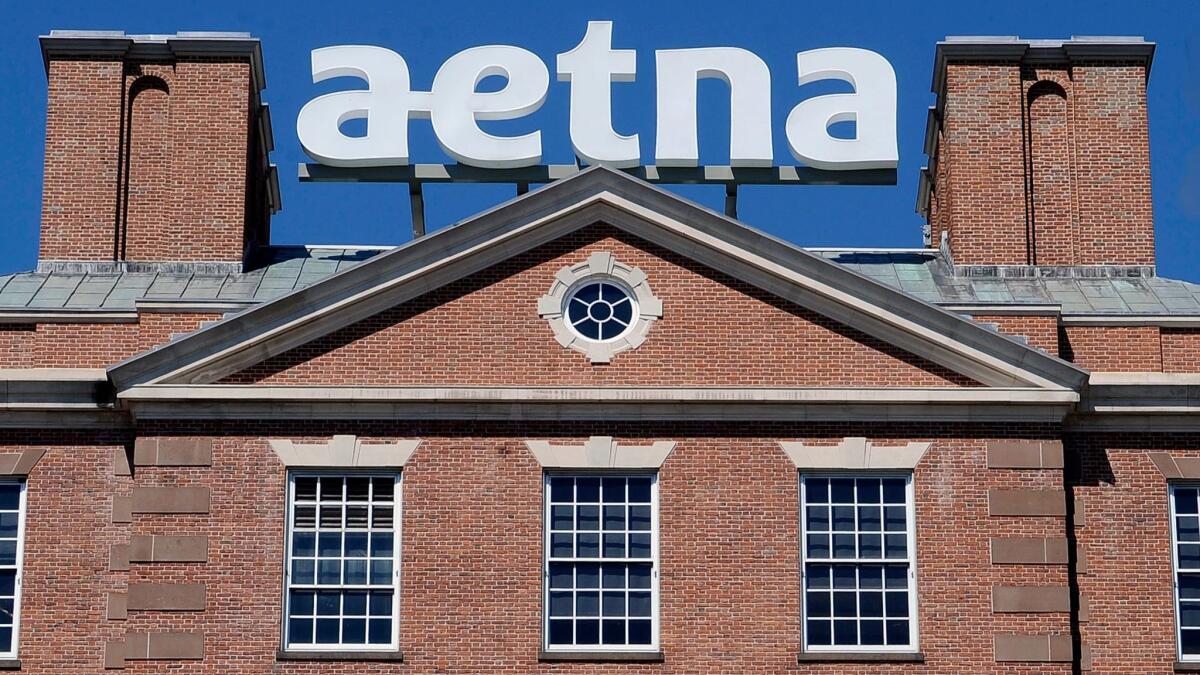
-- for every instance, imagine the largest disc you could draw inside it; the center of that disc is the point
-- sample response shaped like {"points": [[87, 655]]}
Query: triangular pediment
{"points": [[648, 221]]}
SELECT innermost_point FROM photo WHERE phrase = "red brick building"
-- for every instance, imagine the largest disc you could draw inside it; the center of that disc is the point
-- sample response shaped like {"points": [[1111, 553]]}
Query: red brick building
{"points": [[598, 428]]}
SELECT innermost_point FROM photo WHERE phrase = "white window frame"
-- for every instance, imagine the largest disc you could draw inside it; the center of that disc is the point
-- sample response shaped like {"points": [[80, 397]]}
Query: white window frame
{"points": [[911, 559], [1171, 487], [19, 566], [397, 519], [655, 624]]}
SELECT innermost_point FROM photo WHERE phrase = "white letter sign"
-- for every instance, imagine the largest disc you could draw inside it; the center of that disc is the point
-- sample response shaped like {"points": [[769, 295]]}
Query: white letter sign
{"points": [[872, 108], [456, 106], [749, 104], [591, 68]]}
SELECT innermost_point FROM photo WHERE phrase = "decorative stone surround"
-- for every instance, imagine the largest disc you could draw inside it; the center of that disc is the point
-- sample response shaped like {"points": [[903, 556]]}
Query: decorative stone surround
{"points": [[600, 452], [344, 451], [1025, 455], [1175, 468], [19, 463], [854, 452], [600, 265]]}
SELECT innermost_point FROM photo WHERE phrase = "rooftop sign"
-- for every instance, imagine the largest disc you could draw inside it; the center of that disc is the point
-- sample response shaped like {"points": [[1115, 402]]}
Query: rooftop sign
{"points": [[455, 107]]}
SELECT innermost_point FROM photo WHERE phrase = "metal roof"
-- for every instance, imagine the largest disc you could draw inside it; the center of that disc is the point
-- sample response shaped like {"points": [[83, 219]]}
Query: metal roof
{"points": [[282, 269], [922, 274]]}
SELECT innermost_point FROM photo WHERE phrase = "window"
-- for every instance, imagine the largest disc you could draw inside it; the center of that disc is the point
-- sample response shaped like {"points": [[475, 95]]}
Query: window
{"points": [[858, 563], [343, 562], [601, 311], [1185, 535], [12, 540], [601, 581]]}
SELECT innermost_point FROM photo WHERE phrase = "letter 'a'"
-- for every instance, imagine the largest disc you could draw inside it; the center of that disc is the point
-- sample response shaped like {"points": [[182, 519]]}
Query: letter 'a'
{"points": [[872, 108]]}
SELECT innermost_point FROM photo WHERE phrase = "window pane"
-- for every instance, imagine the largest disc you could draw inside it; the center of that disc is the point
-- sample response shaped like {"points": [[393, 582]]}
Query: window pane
{"points": [[587, 517], [302, 603], [614, 490], [336, 561], [593, 604], [561, 517], [1190, 640], [587, 545], [587, 603], [587, 489], [841, 490], [639, 545], [817, 490], [381, 544], [818, 518], [819, 604], [843, 518], [893, 491], [356, 545], [306, 489], [614, 517], [300, 631], [587, 632], [868, 490], [639, 518], [355, 572], [560, 632], [1185, 500], [562, 489], [354, 603], [380, 631], [358, 489], [856, 604], [354, 631], [820, 633], [560, 604], [639, 489]]}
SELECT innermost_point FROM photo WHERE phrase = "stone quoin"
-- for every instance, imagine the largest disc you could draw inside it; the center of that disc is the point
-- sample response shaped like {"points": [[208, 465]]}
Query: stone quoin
{"points": [[598, 428]]}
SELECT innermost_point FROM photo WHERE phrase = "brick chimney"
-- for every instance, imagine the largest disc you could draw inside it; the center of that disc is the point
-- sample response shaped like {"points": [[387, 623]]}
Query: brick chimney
{"points": [[156, 149], [1039, 152]]}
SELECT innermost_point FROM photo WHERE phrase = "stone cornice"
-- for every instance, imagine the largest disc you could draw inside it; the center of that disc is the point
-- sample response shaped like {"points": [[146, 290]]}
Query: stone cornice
{"points": [[346, 451], [854, 453], [600, 452]]}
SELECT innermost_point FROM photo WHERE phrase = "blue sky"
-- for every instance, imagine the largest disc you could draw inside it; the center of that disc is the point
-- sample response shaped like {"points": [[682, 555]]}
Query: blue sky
{"points": [[426, 33]]}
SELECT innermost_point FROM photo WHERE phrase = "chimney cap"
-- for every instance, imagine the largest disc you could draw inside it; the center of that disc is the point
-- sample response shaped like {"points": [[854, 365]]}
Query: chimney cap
{"points": [[118, 44]]}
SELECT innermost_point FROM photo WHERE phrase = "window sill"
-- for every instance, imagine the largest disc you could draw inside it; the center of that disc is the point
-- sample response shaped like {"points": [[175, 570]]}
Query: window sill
{"points": [[1187, 666], [396, 657], [627, 657], [10, 664], [861, 657]]}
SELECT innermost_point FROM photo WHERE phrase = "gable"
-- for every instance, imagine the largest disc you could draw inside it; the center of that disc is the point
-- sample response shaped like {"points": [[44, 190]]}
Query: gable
{"points": [[484, 330], [440, 260]]}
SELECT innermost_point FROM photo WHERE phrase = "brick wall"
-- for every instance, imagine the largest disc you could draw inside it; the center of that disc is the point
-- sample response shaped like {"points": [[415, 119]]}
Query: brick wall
{"points": [[68, 533], [485, 330], [471, 590], [148, 161], [1045, 166], [1039, 331], [1113, 348], [90, 345], [1126, 539], [83, 122], [982, 135]]}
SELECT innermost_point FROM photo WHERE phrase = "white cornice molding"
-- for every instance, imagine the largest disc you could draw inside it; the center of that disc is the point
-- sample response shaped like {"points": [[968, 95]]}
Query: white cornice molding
{"points": [[344, 451], [974, 404], [600, 452], [1168, 320], [854, 452]]}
